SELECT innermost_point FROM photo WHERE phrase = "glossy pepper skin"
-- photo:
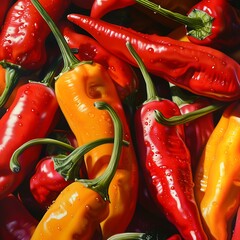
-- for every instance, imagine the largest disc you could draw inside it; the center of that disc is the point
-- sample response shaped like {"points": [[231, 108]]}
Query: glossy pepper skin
{"points": [[30, 116], [79, 85], [23, 36], [22, 39], [217, 177], [15, 222], [166, 161], [81, 206], [197, 131], [46, 183], [100, 8], [207, 24], [201, 70], [89, 49]]}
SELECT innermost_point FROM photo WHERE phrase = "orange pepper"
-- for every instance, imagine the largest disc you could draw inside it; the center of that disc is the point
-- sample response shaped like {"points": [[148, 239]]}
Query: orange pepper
{"points": [[82, 205], [78, 86], [217, 178]]}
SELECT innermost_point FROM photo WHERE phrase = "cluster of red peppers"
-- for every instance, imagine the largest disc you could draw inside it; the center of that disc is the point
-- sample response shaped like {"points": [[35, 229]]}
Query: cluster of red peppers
{"points": [[90, 149]]}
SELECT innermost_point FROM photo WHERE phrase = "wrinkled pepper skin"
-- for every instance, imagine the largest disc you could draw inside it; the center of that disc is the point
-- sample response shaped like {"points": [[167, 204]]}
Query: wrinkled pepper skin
{"points": [[199, 69], [23, 35], [76, 91], [31, 115], [217, 177], [15, 222], [89, 49], [167, 163], [75, 205]]}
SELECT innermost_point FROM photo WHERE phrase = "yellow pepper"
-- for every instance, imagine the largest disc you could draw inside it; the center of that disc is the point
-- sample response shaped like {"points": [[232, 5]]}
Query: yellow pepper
{"points": [[78, 86], [217, 179], [82, 205]]}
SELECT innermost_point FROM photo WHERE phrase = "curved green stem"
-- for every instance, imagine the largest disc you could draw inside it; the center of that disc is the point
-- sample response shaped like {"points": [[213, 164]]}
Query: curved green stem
{"points": [[150, 88], [12, 76], [14, 163], [51, 74], [127, 236], [101, 183], [69, 60], [198, 22], [187, 117], [68, 166], [193, 23]]}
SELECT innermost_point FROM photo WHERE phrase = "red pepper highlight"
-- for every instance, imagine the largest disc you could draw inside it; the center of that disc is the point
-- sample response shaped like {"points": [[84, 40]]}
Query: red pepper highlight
{"points": [[201, 70], [89, 49], [30, 116], [166, 161], [206, 24]]}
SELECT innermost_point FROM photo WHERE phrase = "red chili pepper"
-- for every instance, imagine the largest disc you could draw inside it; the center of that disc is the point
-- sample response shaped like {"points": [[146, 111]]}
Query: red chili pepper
{"points": [[202, 70], [46, 183], [15, 221], [23, 36], [207, 24], [197, 131], [166, 161], [88, 48], [30, 116]]}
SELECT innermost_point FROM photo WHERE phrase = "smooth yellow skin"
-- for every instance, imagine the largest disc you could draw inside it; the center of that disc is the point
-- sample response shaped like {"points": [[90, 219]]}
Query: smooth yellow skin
{"points": [[209, 155], [221, 196], [75, 214], [76, 91]]}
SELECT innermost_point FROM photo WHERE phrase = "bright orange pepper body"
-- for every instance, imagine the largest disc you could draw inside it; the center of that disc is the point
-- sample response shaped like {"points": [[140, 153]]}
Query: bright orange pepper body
{"points": [[76, 91], [77, 210], [217, 179]]}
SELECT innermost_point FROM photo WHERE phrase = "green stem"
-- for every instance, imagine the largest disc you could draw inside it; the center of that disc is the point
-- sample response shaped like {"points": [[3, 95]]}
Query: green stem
{"points": [[193, 23], [127, 236], [69, 60], [180, 97], [101, 183], [187, 117], [68, 166], [150, 88], [14, 163], [12, 76], [51, 74]]}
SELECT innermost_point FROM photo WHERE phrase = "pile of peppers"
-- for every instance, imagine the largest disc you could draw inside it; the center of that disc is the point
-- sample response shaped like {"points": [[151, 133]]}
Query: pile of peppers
{"points": [[119, 119]]}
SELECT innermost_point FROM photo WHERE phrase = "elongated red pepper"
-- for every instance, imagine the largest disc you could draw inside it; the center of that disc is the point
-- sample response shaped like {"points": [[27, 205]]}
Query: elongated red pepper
{"points": [[207, 24], [30, 116], [202, 70], [166, 161], [88, 48], [23, 36], [15, 222]]}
